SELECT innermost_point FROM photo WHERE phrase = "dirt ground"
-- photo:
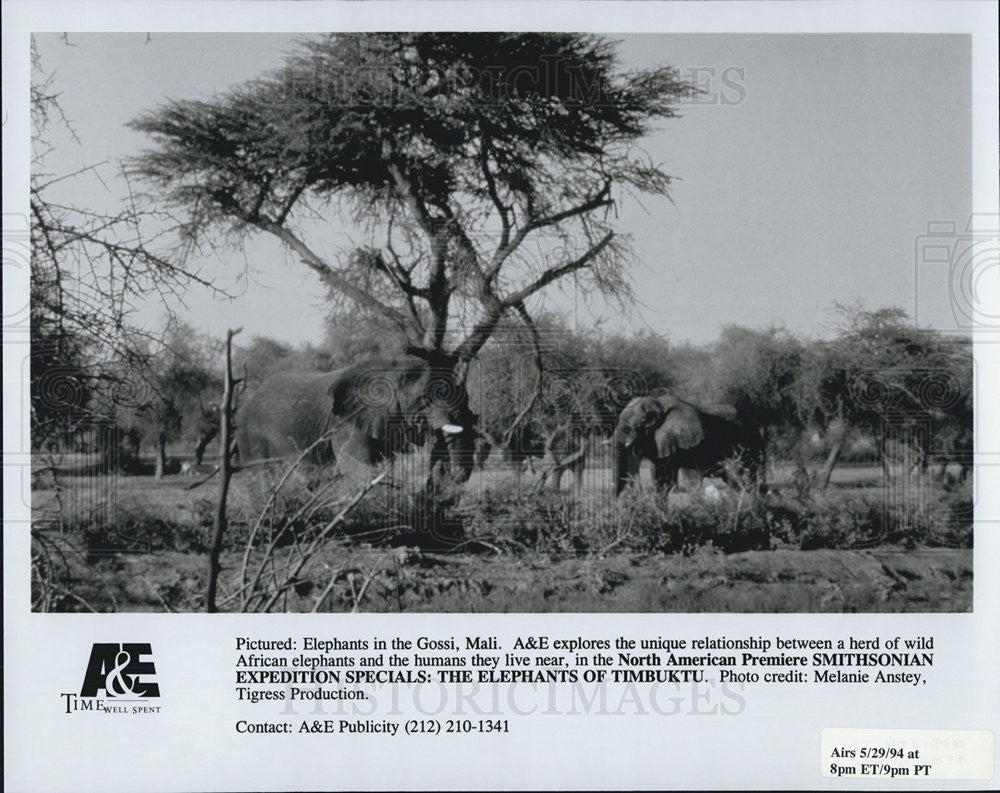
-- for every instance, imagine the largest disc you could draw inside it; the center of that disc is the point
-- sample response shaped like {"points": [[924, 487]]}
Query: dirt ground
{"points": [[752, 582]]}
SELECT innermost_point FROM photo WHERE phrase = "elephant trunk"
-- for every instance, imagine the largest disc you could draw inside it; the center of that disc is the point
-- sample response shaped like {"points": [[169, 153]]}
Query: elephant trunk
{"points": [[462, 456], [622, 458], [455, 454]]}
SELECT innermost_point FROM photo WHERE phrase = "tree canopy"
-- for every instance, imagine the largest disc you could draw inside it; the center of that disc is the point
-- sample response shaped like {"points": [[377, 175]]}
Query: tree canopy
{"points": [[449, 152]]}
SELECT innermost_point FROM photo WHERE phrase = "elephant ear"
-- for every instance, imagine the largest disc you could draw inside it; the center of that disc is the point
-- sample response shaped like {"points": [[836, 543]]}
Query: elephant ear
{"points": [[681, 429], [366, 399]]}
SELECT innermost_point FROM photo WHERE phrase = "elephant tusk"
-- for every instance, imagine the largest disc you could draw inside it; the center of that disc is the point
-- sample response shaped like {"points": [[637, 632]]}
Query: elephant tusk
{"points": [[452, 429]]}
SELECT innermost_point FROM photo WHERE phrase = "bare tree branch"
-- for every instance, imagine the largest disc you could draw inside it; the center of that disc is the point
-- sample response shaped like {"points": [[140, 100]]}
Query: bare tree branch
{"points": [[409, 195], [557, 272], [532, 223], [491, 185], [331, 276]]}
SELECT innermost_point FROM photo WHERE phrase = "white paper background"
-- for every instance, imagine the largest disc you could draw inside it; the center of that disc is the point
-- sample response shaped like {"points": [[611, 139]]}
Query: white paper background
{"points": [[773, 743]]}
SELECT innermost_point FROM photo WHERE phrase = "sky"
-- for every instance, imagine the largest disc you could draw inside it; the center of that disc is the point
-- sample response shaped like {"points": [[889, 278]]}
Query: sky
{"points": [[806, 174]]}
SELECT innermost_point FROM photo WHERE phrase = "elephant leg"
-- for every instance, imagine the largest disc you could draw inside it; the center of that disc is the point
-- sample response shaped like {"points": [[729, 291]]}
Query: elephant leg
{"points": [[635, 470]]}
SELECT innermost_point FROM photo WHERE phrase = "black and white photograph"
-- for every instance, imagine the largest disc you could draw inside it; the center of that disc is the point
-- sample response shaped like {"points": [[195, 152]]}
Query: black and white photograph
{"points": [[501, 322], [454, 375]]}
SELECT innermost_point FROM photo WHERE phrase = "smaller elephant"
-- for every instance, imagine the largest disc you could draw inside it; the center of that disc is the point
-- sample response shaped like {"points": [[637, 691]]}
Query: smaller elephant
{"points": [[676, 435]]}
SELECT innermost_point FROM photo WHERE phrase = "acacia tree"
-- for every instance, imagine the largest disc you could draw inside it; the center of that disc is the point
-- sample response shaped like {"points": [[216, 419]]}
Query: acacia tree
{"points": [[452, 154], [889, 377], [756, 371]]}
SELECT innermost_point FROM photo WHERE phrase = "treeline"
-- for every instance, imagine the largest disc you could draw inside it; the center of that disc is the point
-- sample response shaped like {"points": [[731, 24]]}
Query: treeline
{"points": [[879, 379], [880, 386]]}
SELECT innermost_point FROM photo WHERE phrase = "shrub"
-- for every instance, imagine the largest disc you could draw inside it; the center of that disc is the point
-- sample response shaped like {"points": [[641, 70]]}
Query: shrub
{"points": [[667, 524], [544, 521], [925, 515], [136, 527], [393, 513], [650, 521], [645, 521]]}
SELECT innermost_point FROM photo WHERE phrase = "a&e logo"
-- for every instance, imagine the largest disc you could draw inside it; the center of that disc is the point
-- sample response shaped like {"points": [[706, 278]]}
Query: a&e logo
{"points": [[118, 673]]}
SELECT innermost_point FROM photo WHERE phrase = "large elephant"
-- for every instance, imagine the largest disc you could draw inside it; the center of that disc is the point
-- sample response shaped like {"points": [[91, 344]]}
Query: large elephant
{"points": [[676, 435], [365, 413]]}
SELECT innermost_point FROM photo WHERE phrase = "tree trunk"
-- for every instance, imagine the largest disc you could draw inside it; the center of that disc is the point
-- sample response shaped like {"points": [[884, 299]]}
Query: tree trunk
{"points": [[161, 455], [203, 441], [758, 471], [225, 474], [134, 438], [109, 446], [831, 460]]}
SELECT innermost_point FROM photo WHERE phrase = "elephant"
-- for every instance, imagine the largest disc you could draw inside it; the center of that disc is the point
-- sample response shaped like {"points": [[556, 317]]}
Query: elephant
{"points": [[365, 413], [677, 435]]}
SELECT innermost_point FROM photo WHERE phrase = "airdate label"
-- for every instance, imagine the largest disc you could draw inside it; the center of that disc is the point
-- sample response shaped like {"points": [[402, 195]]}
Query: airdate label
{"points": [[903, 754]]}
